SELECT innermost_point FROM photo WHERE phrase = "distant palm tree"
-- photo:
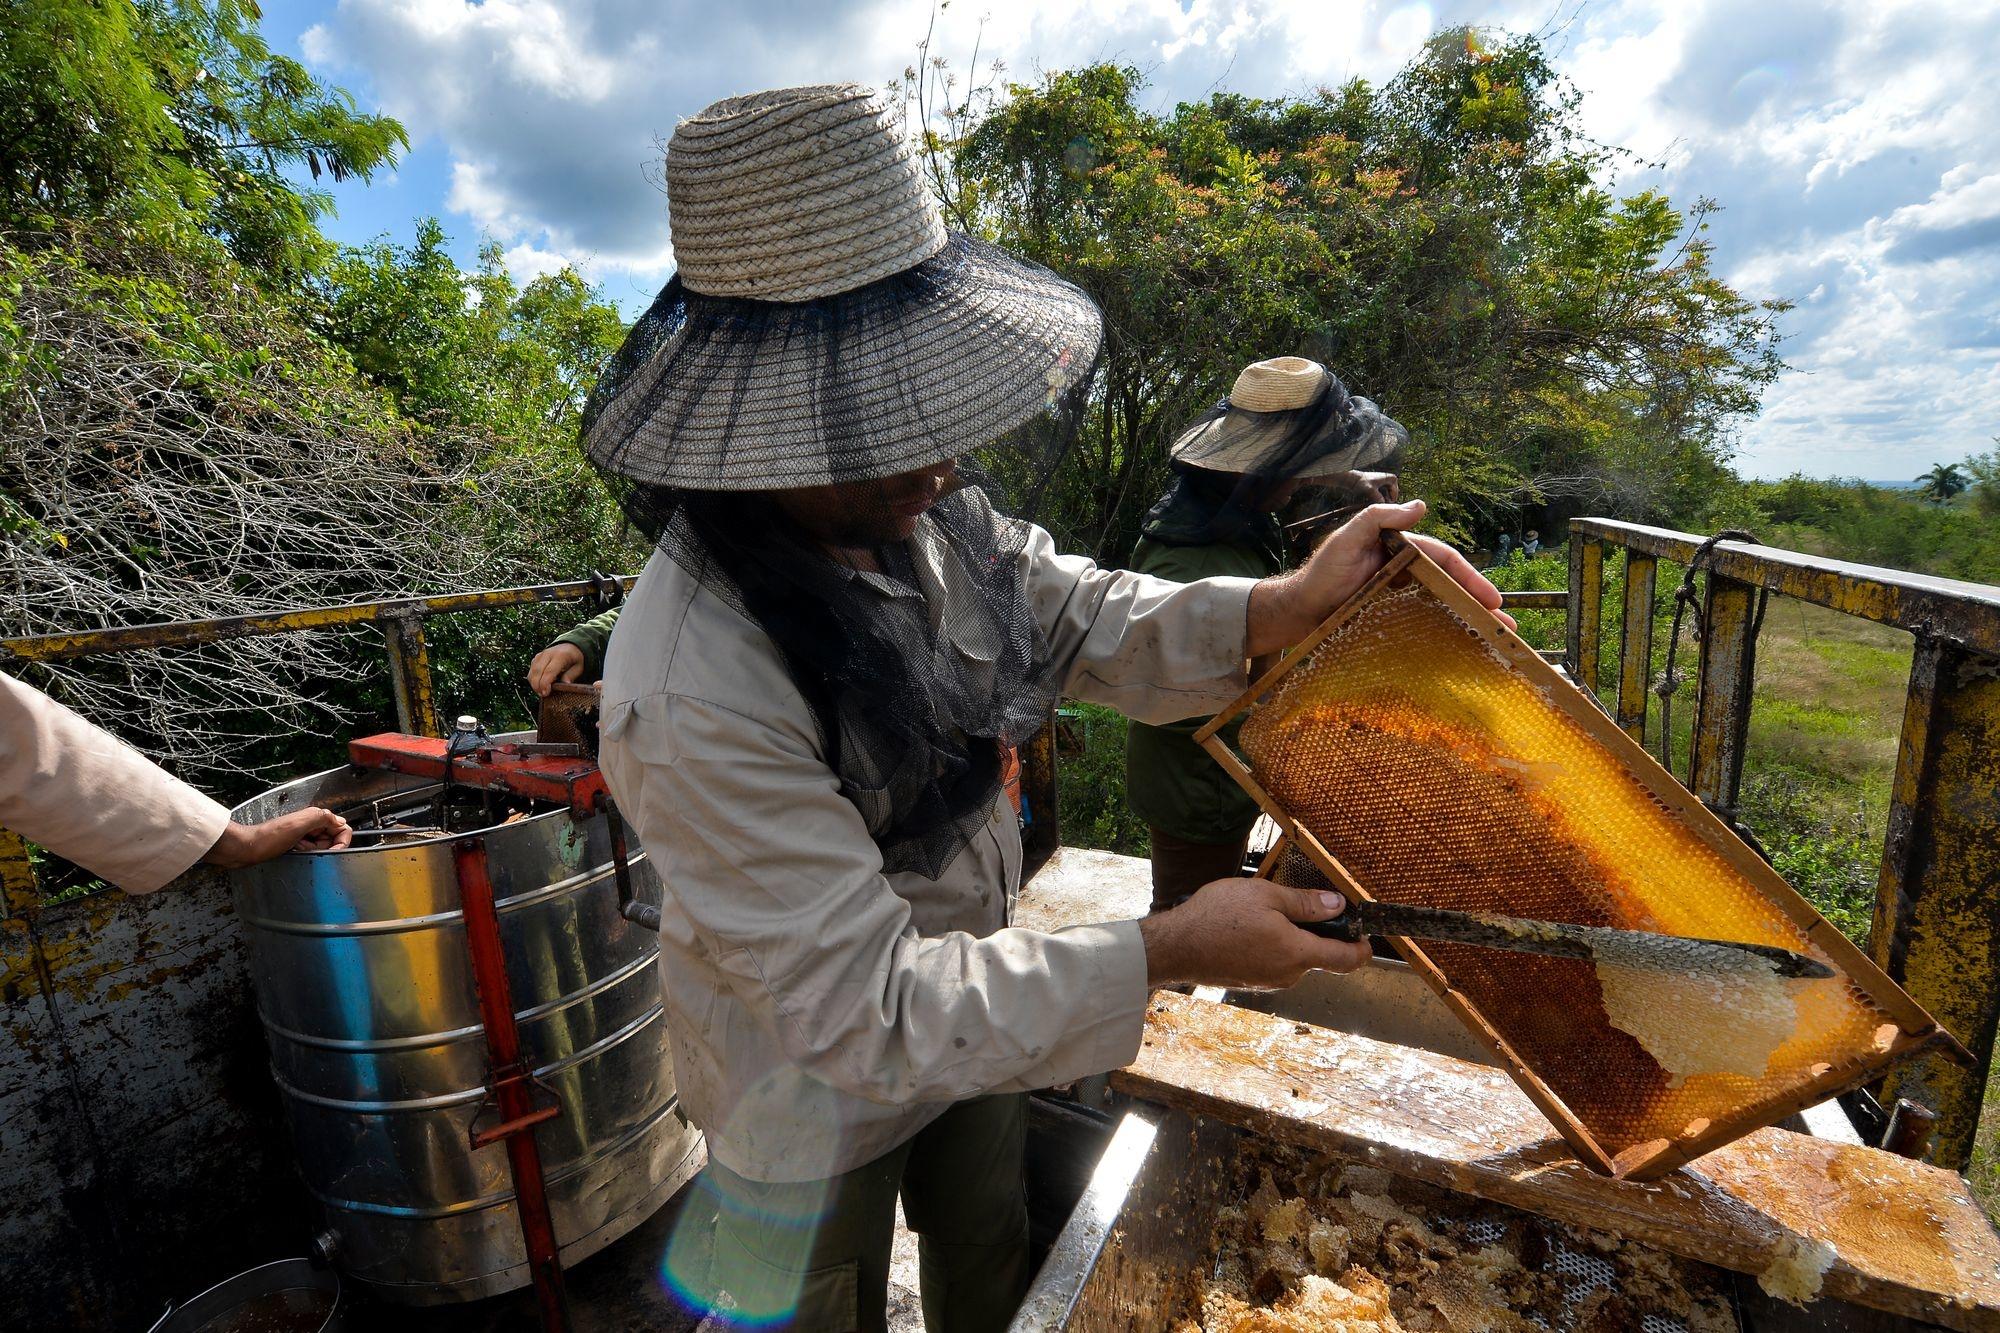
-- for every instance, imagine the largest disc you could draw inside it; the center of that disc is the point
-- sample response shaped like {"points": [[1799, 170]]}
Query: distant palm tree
{"points": [[1943, 481]]}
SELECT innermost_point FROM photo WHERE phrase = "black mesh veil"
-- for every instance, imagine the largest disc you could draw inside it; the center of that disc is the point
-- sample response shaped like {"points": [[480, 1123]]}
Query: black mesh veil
{"points": [[910, 635], [1232, 465]]}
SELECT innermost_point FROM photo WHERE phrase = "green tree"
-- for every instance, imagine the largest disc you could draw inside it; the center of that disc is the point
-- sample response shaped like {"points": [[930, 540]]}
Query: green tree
{"points": [[495, 375], [1441, 241], [473, 347], [211, 410], [1984, 470], [171, 116], [500, 371], [1942, 482]]}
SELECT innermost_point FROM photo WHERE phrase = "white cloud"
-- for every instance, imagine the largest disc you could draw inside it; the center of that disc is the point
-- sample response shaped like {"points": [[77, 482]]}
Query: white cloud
{"points": [[1962, 215], [1850, 142], [527, 262], [472, 195], [1849, 145]]}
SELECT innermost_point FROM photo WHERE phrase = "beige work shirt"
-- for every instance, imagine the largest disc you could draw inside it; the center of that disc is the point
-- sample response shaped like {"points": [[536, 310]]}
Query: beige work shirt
{"points": [[822, 1012], [86, 795]]}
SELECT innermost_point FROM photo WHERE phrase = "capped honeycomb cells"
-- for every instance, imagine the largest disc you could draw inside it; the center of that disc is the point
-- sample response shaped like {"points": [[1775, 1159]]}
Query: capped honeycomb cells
{"points": [[1439, 774]]}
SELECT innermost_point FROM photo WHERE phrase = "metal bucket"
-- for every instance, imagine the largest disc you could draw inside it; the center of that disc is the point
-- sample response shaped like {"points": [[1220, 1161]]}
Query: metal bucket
{"points": [[366, 995], [289, 1296]]}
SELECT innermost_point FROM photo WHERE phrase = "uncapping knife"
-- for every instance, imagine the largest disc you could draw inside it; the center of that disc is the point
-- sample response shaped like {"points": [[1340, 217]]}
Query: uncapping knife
{"points": [[1559, 939]]}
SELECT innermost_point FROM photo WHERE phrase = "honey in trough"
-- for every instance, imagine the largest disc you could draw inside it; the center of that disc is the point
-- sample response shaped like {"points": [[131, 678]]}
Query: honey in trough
{"points": [[1439, 768], [1320, 1244]]}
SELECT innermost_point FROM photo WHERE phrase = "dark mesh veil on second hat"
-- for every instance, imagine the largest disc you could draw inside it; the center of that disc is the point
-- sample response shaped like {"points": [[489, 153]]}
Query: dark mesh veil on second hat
{"points": [[1285, 420], [823, 329]]}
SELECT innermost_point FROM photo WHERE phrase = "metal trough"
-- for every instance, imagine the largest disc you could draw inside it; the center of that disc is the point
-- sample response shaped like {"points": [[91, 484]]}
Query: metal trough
{"points": [[1149, 1216]]}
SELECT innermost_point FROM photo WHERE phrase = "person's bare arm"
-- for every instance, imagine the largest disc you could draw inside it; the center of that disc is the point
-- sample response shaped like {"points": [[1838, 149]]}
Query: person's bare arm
{"points": [[1241, 933], [308, 830], [557, 662], [1286, 607]]}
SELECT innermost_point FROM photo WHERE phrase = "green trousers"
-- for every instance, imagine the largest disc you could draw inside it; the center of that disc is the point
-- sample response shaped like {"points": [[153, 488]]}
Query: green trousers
{"points": [[815, 1255]]}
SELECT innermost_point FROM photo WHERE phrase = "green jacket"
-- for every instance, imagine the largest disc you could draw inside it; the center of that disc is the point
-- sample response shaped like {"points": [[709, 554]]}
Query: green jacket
{"points": [[1171, 782], [591, 638]]}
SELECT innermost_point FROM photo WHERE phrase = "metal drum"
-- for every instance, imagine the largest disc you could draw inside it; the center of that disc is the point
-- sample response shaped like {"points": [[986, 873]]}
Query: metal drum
{"points": [[362, 980]]}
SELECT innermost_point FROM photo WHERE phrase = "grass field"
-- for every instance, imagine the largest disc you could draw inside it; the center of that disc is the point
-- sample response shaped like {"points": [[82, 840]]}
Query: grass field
{"points": [[1824, 723]]}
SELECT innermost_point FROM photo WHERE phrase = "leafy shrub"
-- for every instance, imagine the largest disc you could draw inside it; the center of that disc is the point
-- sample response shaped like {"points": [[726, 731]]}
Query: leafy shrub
{"points": [[1090, 782]]}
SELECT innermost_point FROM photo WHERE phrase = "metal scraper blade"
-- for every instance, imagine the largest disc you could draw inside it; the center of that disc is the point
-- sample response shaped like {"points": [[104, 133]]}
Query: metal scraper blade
{"points": [[1559, 939]]}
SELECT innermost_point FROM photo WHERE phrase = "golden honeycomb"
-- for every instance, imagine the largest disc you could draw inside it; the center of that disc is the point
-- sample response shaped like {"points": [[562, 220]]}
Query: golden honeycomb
{"points": [[1438, 773]]}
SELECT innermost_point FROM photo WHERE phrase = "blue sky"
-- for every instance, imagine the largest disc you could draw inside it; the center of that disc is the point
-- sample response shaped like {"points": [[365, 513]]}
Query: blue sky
{"points": [[1854, 146]]}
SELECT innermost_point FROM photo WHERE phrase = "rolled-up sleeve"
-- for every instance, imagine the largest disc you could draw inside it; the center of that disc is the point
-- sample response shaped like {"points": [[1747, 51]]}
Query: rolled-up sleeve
{"points": [[780, 881], [86, 795], [1155, 650]]}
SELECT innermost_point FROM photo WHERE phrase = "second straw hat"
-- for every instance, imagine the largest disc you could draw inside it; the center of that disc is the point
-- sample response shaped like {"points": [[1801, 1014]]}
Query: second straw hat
{"points": [[1290, 407], [823, 325]]}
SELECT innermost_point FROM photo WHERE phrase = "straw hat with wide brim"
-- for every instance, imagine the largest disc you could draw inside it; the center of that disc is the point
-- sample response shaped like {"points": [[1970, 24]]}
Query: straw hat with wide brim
{"points": [[823, 326], [1270, 412]]}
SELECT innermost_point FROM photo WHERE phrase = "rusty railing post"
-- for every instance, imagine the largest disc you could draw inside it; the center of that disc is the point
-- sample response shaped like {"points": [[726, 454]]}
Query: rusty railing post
{"points": [[410, 674], [20, 904], [1722, 695], [1038, 790], [1937, 909], [20, 891], [1586, 608], [1635, 646]]}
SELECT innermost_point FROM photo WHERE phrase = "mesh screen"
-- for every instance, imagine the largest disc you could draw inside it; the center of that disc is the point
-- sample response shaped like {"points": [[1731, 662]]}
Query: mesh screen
{"points": [[568, 716], [1438, 774]]}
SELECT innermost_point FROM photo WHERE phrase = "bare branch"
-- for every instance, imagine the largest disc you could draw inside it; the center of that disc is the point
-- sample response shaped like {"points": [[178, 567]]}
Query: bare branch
{"points": [[139, 483]]}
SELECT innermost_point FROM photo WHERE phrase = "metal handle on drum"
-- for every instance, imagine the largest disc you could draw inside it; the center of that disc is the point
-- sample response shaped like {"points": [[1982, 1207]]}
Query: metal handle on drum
{"points": [[638, 913], [482, 1136]]}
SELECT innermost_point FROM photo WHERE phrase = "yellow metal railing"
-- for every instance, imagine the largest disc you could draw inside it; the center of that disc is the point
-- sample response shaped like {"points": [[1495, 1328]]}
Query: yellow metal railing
{"points": [[401, 618], [1937, 909]]}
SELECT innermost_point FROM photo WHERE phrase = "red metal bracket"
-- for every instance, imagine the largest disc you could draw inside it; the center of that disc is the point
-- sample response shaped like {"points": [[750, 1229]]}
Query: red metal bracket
{"points": [[513, 1086], [570, 780]]}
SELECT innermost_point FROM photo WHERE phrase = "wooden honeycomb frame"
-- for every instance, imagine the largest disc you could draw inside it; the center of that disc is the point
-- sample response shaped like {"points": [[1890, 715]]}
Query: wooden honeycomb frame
{"points": [[1915, 1030]]}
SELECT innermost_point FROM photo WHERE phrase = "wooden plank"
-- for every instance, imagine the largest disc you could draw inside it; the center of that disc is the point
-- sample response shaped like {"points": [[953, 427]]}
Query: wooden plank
{"points": [[1726, 673], [1635, 646], [1586, 608], [1079, 886], [1907, 1238]]}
